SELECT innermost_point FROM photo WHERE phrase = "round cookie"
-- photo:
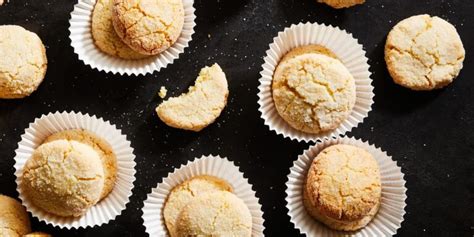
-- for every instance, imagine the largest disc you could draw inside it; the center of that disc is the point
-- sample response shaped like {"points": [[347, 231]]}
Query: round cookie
{"points": [[343, 187], [37, 234], [103, 149], [424, 53], [104, 34], [313, 93], [148, 26], [218, 213], [64, 178], [341, 3], [202, 104], [14, 220], [187, 191], [23, 62]]}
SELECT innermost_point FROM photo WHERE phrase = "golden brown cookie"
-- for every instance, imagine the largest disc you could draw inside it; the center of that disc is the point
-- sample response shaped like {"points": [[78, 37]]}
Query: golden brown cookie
{"points": [[218, 213], [313, 93], [341, 3], [424, 53], [64, 178], [202, 104], [14, 220], [343, 187], [103, 149], [187, 191], [105, 37], [23, 62], [148, 26]]}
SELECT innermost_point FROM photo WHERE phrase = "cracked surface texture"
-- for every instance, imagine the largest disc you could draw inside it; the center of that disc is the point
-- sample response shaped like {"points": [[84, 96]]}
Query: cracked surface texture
{"points": [[103, 149], [64, 178], [341, 3], [201, 105], [148, 26], [343, 187], [14, 220], [23, 62], [105, 37], [218, 213], [313, 92], [187, 191], [424, 53]]}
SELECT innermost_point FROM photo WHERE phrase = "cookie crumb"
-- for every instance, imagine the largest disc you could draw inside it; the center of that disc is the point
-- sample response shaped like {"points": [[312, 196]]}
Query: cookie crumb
{"points": [[163, 92]]}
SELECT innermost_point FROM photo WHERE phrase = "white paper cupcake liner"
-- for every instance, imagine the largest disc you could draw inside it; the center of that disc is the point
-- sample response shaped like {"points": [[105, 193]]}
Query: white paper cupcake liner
{"points": [[346, 48], [84, 47], [207, 165], [107, 209], [392, 208]]}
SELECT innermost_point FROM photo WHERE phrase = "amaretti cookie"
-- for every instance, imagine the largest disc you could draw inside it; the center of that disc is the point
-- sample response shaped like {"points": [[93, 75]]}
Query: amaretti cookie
{"points": [[424, 53], [105, 37], [148, 26], [185, 192], [313, 92], [23, 62], [14, 220], [100, 146], [343, 187], [64, 178], [218, 213], [201, 105], [341, 3]]}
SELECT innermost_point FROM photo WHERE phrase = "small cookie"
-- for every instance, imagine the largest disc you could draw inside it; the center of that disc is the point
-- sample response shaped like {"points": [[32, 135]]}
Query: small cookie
{"points": [[218, 213], [187, 191], [64, 178], [343, 187], [104, 34], [341, 3], [37, 234], [23, 62], [202, 104], [103, 149], [313, 92], [424, 53], [14, 220], [148, 26]]}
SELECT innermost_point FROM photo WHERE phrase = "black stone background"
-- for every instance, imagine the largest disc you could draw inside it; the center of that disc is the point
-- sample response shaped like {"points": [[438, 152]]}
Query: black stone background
{"points": [[430, 134]]}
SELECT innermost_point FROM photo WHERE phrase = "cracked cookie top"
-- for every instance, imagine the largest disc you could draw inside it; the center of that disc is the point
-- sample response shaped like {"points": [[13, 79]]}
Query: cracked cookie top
{"points": [[424, 53], [341, 3], [63, 177], [218, 213], [343, 183], [201, 105], [105, 37], [185, 192], [14, 220], [103, 149], [148, 26], [23, 62], [313, 92]]}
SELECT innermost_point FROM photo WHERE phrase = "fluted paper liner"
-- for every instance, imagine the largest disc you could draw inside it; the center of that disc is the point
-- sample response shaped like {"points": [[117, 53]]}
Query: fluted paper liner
{"points": [[206, 165], [112, 205], [346, 48], [392, 208], [84, 47]]}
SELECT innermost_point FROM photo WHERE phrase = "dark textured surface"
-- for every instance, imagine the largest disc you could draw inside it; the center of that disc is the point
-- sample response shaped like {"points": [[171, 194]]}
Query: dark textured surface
{"points": [[430, 134]]}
